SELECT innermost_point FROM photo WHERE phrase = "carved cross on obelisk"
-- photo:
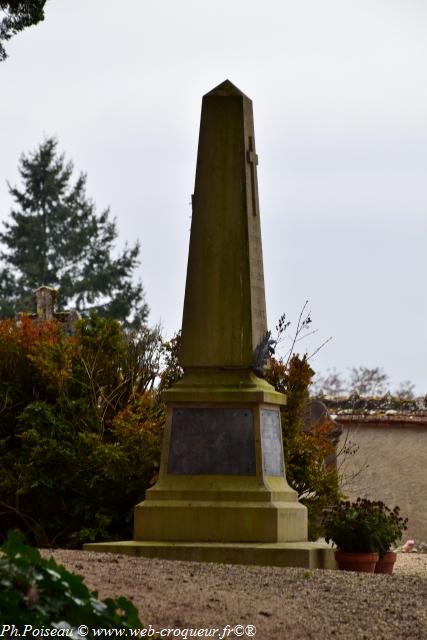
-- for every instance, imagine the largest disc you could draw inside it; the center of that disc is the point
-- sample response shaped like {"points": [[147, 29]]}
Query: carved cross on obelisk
{"points": [[253, 161]]}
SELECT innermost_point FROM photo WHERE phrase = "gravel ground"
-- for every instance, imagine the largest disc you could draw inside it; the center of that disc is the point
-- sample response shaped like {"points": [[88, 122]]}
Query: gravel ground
{"points": [[282, 603]]}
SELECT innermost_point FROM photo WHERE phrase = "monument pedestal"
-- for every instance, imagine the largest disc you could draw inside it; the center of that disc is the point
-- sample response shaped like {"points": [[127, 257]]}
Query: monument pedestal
{"points": [[222, 475], [222, 494]]}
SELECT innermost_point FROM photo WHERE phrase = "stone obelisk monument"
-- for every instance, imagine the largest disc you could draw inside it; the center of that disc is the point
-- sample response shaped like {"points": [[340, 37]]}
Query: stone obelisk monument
{"points": [[222, 493]]}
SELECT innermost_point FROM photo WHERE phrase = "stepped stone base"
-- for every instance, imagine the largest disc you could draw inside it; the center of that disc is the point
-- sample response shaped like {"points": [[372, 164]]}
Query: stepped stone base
{"points": [[219, 521], [310, 555]]}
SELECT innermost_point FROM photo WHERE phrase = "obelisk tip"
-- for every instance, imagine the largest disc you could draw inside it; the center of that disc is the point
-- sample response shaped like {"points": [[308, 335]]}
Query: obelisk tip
{"points": [[226, 88]]}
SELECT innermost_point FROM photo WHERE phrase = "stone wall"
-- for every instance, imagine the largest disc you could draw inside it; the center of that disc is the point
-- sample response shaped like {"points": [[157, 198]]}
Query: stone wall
{"points": [[389, 465]]}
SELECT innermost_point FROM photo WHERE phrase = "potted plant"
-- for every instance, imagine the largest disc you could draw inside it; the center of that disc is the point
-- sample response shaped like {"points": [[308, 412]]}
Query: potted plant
{"points": [[390, 529], [362, 531]]}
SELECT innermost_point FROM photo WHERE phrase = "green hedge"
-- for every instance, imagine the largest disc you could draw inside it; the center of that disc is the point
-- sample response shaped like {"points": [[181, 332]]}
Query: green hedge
{"points": [[80, 429]]}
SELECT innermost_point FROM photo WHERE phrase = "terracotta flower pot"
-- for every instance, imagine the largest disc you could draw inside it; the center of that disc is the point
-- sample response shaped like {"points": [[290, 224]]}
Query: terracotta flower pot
{"points": [[356, 561], [386, 563]]}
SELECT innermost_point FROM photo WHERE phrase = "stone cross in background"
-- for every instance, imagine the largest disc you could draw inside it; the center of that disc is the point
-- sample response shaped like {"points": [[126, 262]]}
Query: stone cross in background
{"points": [[45, 301], [45, 305]]}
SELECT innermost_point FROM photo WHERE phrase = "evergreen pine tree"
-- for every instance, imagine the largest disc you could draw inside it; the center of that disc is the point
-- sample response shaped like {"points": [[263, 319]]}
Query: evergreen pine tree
{"points": [[56, 238], [16, 15]]}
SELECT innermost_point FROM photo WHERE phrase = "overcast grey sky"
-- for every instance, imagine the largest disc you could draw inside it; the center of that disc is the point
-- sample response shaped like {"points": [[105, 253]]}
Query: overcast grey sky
{"points": [[340, 103]]}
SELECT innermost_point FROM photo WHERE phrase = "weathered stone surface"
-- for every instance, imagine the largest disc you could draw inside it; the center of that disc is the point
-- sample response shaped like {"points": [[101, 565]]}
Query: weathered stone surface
{"points": [[271, 438], [224, 310], [311, 555]]}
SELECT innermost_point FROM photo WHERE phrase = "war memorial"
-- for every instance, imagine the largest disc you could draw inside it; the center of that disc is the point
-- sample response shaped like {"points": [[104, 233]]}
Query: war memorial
{"points": [[221, 493]]}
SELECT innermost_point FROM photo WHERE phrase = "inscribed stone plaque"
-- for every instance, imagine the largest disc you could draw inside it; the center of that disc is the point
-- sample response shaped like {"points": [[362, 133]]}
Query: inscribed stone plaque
{"points": [[212, 442], [272, 448]]}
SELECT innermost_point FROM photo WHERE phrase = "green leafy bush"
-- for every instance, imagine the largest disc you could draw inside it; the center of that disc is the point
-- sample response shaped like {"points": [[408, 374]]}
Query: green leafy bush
{"points": [[39, 592], [363, 526], [390, 527], [80, 429]]}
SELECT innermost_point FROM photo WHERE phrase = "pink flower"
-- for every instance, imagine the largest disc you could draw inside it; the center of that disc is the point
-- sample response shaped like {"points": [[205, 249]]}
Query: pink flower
{"points": [[408, 546]]}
